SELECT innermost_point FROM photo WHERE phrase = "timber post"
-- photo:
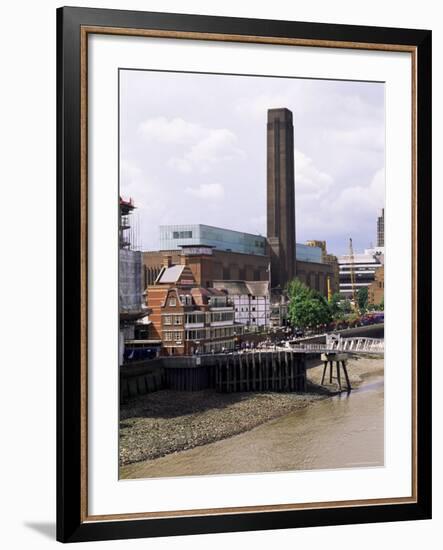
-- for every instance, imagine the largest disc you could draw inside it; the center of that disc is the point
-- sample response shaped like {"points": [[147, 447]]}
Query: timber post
{"points": [[340, 360]]}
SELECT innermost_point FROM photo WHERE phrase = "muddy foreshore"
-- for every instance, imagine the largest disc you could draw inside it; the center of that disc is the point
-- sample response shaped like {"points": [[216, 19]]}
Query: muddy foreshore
{"points": [[166, 422]]}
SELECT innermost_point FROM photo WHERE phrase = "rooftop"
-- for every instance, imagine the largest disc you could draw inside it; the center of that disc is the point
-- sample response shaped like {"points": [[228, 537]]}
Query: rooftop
{"points": [[170, 274], [175, 237], [243, 288]]}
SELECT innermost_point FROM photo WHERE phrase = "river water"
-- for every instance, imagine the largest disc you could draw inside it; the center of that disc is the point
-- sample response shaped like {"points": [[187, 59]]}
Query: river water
{"points": [[345, 431]]}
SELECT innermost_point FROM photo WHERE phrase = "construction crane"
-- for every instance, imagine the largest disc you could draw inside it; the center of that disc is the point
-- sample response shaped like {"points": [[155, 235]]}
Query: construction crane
{"points": [[328, 282], [352, 273]]}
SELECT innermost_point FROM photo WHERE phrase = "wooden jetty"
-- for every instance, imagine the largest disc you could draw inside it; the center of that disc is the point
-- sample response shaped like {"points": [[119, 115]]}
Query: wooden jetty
{"points": [[277, 371], [193, 377]]}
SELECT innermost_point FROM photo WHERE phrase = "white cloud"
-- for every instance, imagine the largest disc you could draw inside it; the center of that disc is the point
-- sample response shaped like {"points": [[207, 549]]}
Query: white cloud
{"points": [[217, 145], [133, 182], [361, 138], [344, 213], [128, 171], [175, 130], [184, 133], [361, 200], [202, 147], [207, 191], [311, 183]]}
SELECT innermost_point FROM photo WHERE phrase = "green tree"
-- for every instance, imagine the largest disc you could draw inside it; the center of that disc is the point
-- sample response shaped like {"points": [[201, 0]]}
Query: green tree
{"points": [[307, 308], [334, 306], [362, 299], [346, 306], [298, 289]]}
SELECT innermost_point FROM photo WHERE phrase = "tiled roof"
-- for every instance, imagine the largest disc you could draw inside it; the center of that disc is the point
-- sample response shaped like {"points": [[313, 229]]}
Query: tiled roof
{"points": [[216, 292], [233, 288], [258, 288], [243, 288], [200, 296]]}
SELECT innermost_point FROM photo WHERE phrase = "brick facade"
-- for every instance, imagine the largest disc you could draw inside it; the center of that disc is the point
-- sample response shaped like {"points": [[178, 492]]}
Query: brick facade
{"points": [[376, 290]]}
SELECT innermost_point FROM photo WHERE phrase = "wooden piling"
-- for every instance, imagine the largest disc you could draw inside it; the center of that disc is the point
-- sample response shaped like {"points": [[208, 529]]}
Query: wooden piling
{"points": [[228, 377], [286, 371], [325, 366], [260, 373], [278, 371], [337, 363], [233, 375], [345, 370], [247, 369], [273, 360]]}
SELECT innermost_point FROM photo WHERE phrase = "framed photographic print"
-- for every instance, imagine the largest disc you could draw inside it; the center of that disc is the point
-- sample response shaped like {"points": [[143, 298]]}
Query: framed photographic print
{"points": [[244, 271]]}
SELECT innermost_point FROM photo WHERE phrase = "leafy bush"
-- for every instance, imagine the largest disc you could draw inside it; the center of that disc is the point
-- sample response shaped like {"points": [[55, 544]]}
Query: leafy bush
{"points": [[307, 308]]}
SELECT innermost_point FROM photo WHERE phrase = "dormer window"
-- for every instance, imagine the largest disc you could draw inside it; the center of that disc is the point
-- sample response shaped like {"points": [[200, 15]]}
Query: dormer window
{"points": [[172, 302], [217, 301], [186, 299]]}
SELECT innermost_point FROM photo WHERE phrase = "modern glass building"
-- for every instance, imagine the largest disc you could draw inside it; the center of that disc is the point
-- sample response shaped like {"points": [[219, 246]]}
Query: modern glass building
{"points": [[173, 237], [305, 253]]}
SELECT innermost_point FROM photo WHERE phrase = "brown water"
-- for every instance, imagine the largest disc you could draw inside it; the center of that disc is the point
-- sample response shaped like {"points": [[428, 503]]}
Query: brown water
{"points": [[345, 431]]}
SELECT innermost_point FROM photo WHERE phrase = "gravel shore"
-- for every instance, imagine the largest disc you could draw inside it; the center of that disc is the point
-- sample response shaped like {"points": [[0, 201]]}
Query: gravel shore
{"points": [[165, 422]]}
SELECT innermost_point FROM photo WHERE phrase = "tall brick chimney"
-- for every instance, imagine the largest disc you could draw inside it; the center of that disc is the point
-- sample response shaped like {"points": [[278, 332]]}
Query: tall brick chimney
{"points": [[281, 196]]}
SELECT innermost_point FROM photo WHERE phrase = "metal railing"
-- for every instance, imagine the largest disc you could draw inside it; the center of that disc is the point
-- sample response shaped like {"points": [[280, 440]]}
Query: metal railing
{"points": [[348, 345]]}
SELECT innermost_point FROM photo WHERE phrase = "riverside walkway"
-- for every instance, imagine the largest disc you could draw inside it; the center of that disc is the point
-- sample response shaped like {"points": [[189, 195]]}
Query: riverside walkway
{"points": [[341, 345]]}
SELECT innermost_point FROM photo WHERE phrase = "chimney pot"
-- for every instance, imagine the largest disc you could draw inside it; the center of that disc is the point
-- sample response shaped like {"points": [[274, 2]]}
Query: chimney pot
{"points": [[167, 261]]}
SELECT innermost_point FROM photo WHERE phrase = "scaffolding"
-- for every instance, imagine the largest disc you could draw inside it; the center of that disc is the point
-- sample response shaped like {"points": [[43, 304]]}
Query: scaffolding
{"points": [[129, 228]]}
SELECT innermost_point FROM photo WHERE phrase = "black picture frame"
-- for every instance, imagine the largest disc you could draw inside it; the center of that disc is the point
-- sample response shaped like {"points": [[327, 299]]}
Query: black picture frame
{"points": [[72, 525]]}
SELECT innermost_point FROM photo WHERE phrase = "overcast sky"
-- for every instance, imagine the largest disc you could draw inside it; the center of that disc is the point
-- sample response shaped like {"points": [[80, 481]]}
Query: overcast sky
{"points": [[193, 150]]}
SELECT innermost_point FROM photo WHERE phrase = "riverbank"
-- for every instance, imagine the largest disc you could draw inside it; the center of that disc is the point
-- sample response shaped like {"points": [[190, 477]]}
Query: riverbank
{"points": [[167, 422]]}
